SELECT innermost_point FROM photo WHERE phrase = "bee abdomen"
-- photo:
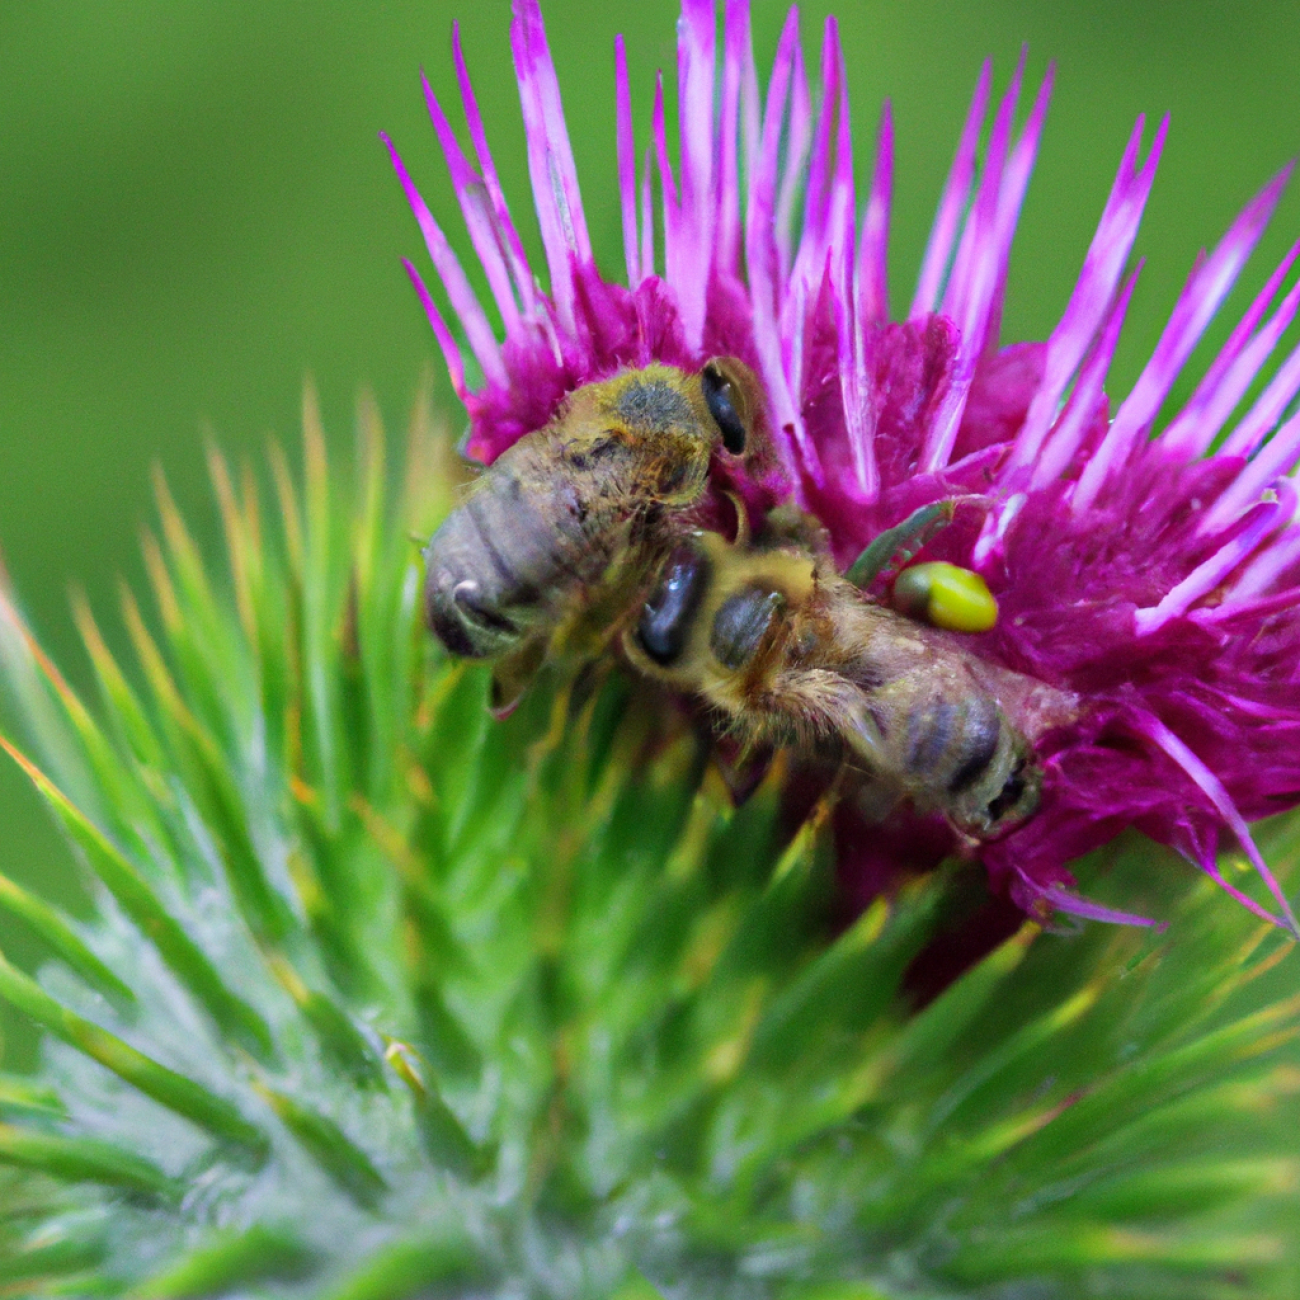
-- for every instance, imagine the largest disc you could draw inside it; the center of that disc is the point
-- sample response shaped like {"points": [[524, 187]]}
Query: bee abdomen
{"points": [[491, 563], [952, 744], [981, 742]]}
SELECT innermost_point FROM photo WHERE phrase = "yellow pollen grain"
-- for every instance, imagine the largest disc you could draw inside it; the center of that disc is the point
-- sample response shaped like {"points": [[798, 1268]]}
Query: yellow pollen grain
{"points": [[958, 599]]}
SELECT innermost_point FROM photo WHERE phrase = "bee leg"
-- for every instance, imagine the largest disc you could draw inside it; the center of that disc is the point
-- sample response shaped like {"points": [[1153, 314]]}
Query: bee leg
{"points": [[513, 675], [588, 680], [822, 704], [895, 546], [863, 735], [742, 767]]}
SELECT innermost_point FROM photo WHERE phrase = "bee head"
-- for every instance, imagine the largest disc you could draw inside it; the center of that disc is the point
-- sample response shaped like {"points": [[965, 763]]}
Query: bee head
{"points": [[687, 417]]}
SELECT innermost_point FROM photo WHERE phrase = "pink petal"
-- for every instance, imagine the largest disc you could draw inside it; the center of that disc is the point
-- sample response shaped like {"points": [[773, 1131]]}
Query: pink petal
{"points": [[475, 206], [550, 157], [1278, 456], [1205, 290], [977, 233], [792, 357], [1066, 436], [696, 35], [1233, 370], [1210, 785], [1267, 411], [519, 267], [1064, 901], [737, 63], [972, 283], [1209, 574], [1102, 268], [761, 254], [821, 162], [626, 165], [464, 302], [873, 251], [795, 155], [872, 307], [1011, 197], [647, 222], [974, 292], [938, 251], [1274, 560], [450, 350], [751, 102], [667, 187]]}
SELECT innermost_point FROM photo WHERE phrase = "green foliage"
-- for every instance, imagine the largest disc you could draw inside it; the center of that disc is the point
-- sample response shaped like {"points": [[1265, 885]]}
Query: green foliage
{"points": [[384, 999]]}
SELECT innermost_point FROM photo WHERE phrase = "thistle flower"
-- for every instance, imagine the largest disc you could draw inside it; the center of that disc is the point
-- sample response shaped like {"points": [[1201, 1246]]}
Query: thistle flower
{"points": [[1154, 575], [378, 998]]}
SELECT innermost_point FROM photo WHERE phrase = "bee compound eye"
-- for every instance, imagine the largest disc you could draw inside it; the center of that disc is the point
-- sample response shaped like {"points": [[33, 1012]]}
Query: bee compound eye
{"points": [[720, 397], [665, 624]]}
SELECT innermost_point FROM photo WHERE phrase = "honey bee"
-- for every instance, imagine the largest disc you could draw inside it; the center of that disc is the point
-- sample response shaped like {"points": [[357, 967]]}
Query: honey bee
{"points": [[558, 534], [791, 653]]}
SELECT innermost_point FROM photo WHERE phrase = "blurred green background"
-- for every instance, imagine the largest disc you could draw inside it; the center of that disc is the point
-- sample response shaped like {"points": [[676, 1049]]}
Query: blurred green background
{"points": [[195, 212]]}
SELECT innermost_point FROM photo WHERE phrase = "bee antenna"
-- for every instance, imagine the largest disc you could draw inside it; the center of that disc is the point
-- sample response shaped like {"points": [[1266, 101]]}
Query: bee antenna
{"points": [[742, 517], [895, 546]]}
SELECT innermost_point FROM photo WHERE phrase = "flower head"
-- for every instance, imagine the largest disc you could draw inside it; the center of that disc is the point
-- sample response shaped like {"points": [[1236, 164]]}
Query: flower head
{"points": [[1153, 575]]}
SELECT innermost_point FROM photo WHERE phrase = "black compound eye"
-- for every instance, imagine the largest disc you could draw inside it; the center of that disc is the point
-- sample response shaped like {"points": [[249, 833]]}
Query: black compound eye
{"points": [[741, 623], [665, 625], [720, 398]]}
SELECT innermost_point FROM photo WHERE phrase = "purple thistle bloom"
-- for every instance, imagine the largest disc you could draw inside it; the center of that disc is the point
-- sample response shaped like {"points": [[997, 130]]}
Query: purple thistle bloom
{"points": [[1152, 578]]}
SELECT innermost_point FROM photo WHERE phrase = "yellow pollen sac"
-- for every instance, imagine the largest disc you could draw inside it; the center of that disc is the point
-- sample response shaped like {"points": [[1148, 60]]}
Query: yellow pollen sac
{"points": [[947, 596]]}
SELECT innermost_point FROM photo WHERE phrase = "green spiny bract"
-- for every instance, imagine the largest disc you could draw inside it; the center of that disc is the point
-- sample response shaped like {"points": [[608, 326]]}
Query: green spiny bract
{"points": [[385, 998]]}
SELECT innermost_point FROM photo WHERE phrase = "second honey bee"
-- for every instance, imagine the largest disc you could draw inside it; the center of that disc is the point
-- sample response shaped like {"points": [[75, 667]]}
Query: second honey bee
{"points": [[790, 653]]}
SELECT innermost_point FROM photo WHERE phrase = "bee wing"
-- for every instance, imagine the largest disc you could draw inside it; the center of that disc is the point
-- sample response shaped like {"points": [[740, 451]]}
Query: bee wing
{"points": [[862, 732]]}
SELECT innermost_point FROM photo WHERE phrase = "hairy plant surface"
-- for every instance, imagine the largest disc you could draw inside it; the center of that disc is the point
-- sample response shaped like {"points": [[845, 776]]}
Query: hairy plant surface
{"points": [[383, 998]]}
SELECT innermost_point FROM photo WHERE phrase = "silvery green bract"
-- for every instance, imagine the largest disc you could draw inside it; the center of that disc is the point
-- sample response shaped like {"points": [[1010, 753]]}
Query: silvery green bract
{"points": [[382, 998]]}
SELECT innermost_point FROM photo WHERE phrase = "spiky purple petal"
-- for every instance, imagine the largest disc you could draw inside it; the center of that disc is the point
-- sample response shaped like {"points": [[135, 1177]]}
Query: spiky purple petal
{"points": [[1201, 298], [1102, 267]]}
